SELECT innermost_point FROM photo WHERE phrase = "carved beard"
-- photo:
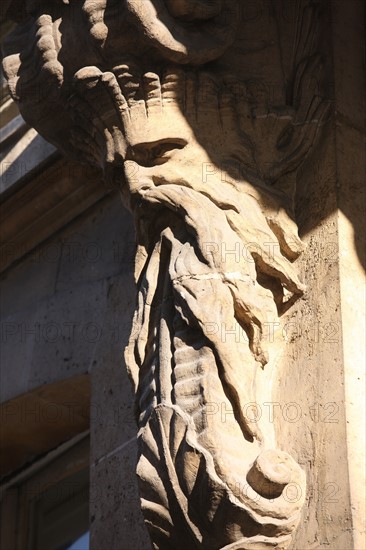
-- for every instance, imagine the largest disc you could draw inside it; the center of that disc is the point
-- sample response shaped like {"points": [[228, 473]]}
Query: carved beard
{"points": [[200, 483], [208, 479]]}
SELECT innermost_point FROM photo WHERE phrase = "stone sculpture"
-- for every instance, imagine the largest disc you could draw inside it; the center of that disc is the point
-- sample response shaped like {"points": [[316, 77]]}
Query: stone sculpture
{"points": [[203, 165]]}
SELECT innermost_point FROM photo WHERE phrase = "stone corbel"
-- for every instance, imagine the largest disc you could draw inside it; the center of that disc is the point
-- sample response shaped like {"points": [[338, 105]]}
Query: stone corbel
{"points": [[204, 167]]}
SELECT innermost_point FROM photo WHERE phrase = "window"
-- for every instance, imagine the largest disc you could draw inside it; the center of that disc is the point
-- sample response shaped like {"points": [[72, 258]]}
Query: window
{"points": [[46, 507]]}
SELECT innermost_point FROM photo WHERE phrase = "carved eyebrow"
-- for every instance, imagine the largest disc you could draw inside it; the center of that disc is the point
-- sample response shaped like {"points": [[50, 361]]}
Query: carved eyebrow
{"points": [[176, 143], [147, 153]]}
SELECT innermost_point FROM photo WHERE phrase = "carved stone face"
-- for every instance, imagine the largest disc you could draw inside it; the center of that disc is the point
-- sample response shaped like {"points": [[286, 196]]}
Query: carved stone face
{"points": [[215, 242], [177, 130], [165, 138], [169, 155]]}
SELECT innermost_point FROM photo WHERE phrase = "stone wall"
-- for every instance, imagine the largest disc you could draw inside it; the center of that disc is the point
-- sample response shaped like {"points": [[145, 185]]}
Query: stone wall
{"points": [[66, 311]]}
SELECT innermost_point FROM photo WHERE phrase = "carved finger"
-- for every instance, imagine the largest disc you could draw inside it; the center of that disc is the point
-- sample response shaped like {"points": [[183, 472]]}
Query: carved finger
{"points": [[152, 92], [129, 82], [317, 112], [92, 96], [238, 145], [87, 78], [307, 40], [307, 85], [258, 98], [228, 117], [110, 81], [190, 95], [173, 86], [243, 107], [208, 93], [305, 135]]}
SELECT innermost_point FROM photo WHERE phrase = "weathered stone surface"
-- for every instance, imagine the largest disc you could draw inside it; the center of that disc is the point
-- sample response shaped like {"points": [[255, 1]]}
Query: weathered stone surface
{"points": [[82, 279], [116, 520], [207, 163], [54, 308], [200, 484]]}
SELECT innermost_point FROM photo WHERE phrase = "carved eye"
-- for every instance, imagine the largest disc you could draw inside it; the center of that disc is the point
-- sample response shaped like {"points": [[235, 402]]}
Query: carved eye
{"points": [[153, 154], [139, 155], [164, 151], [159, 151]]}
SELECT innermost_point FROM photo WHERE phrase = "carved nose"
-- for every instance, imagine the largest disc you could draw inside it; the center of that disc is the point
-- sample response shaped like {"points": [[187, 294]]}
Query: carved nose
{"points": [[194, 9], [138, 177]]}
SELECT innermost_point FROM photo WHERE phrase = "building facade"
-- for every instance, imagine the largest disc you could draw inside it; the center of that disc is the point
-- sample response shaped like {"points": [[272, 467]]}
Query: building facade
{"points": [[71, 433]]}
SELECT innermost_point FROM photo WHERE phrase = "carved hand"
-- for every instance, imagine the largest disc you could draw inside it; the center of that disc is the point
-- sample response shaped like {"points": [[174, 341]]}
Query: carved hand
{"points": [[274, 140]]}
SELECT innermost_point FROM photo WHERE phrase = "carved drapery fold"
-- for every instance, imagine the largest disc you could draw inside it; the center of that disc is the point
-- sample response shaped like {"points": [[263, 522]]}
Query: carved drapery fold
{"points": [[203, 166]]}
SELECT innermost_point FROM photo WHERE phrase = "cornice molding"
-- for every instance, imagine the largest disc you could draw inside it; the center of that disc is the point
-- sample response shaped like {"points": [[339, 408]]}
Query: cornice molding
{"points": [[44, 204]]}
